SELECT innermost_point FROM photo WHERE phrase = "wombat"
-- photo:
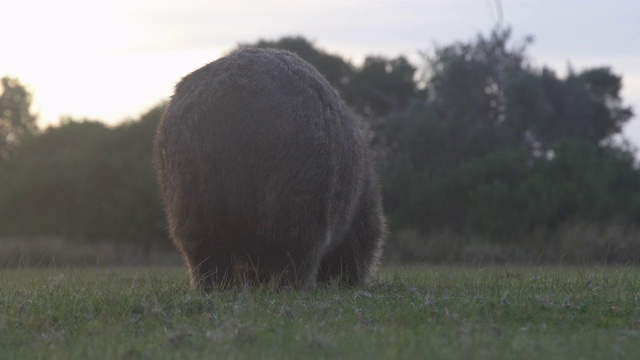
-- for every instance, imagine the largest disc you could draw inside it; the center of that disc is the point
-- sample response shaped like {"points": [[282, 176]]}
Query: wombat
{"points": [[264, 174]]}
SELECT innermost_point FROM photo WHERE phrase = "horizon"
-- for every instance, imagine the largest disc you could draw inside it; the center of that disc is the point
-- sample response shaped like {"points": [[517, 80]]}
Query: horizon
{"points": [[113, 61]]}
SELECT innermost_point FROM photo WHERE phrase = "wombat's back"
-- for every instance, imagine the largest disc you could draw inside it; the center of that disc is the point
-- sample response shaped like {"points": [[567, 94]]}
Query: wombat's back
{"points": [[259, 164]]}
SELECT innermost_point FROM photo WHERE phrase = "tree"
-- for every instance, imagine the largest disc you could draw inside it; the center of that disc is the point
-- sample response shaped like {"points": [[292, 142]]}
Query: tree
{"points": [[381, 86], [470, 84], [500, 149], [583, 106], [85, 180], [489, 91], [16, 119]]}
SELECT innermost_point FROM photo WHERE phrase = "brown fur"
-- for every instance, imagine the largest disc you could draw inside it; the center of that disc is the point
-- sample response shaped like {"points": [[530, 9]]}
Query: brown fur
{"points": [[265, 176]]}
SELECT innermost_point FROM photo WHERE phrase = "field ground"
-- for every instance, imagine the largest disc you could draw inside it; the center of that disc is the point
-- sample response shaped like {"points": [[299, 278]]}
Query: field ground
{"points": [[429, 312]]}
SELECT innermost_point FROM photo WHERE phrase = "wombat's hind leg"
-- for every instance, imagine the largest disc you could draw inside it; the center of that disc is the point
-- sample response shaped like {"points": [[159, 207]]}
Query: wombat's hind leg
{"points": [[354, 260]]}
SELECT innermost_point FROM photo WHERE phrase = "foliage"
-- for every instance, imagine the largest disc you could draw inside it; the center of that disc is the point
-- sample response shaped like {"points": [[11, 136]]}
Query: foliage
{"points": [[418, 312], [501, 150], [507, 194], [381, 86], [84, 180], [16, 119]]}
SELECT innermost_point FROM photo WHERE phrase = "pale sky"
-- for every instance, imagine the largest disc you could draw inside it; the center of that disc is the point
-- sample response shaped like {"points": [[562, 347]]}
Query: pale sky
{"points": [[112, 60]]}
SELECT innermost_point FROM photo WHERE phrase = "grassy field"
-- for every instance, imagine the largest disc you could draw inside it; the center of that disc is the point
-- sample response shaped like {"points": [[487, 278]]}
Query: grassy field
{"points": [[429, 312]]}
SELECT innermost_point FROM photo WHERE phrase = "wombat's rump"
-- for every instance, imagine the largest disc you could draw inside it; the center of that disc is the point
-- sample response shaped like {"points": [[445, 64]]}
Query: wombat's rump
{"points": [[264, 174]]}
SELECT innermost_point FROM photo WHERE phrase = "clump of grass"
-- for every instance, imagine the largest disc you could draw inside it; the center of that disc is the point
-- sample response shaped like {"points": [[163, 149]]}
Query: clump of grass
{"points": [[408, 312]]}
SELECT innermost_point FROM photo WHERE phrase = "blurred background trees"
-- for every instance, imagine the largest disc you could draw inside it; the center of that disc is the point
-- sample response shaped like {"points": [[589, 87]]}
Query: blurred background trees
{"points": [[16, 119], [476, 148], [82, 180]]}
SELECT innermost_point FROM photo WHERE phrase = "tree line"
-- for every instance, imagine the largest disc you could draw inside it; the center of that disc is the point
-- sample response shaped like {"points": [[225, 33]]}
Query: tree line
{"points": [[475, 141]]}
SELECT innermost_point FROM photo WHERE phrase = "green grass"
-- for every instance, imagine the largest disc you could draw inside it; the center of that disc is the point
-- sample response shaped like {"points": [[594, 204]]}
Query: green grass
{"points": [[429, 312]]}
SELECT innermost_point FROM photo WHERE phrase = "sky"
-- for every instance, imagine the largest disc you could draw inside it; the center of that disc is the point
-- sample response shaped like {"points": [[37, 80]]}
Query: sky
{"points": [[113, 60]]}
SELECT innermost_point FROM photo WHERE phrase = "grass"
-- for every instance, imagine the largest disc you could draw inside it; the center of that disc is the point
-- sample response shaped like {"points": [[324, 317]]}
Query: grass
{"points": [[430, 312]]}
